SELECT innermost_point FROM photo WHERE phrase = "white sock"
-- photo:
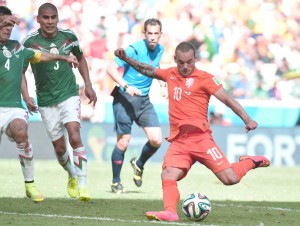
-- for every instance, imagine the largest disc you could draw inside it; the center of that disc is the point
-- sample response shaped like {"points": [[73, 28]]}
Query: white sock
{"points": [[65, 162], [80, 163], [27, 162]]}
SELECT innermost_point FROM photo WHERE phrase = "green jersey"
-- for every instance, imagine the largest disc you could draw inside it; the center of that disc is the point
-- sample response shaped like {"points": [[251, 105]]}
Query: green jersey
{"points": [[12, 56], [55, 81]]}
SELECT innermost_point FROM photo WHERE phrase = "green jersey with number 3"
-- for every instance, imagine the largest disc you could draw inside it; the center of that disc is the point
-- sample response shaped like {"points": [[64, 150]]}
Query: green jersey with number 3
{"points": [[55, 81], [12, 56]]}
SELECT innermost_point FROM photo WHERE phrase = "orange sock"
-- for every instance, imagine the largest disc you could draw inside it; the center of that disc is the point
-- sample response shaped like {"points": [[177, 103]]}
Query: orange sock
{"points": [[241, 168], [171, 195]]}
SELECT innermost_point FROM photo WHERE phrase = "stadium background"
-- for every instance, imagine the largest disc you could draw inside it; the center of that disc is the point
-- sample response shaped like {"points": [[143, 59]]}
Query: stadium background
{"points": [[252, 46]]}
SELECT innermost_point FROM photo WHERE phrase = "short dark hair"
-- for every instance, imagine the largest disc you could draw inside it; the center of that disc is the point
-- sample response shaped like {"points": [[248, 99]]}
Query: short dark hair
{"points": [[46, 5], [185, 47], [5, 11], [153, 22]]}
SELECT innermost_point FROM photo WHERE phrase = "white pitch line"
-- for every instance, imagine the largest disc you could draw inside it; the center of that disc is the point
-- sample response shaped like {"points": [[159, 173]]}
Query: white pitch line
{"points": [[261, 207], [136, 221], [100, 219]]}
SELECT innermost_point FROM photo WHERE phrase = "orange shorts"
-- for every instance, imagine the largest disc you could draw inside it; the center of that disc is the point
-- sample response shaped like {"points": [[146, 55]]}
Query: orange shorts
{"points": [[186, 149]]}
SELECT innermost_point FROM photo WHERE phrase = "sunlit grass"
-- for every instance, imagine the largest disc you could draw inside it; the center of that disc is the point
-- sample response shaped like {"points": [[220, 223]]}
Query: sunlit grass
{"points": [[266, 196]]}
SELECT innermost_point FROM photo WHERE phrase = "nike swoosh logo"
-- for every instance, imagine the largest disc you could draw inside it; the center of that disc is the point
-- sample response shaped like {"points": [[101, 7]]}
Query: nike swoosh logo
{"points": [[219, 163]]}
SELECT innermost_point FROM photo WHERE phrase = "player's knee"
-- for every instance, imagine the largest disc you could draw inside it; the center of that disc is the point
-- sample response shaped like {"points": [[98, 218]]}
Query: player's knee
{"points": [[17, 129], [59, 146], [156, 142], [172, 174], [60, 151], [230, 180], [227, 176], [123, 143], [21, 137], [165, 174]]}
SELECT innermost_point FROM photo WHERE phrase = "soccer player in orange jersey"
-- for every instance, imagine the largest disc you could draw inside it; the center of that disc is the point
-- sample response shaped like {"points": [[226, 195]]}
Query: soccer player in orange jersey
{"points": [[190, 135]]}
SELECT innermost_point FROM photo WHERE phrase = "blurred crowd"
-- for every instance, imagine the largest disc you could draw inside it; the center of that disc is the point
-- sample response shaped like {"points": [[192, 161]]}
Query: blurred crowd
{"points": [[253, 46]]}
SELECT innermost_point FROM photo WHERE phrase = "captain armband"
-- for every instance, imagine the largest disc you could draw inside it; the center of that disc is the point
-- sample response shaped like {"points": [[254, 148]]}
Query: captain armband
{"points": [[36, 58]]}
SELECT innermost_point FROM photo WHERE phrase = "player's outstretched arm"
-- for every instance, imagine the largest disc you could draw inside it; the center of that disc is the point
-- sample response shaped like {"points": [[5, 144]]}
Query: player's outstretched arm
{"points": [[47, 57], [235, 106], [70, 59], [144, 69]]}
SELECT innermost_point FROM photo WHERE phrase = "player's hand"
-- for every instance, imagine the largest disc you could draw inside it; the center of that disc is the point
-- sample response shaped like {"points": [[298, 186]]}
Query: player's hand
{"points": [[72, 61], [164, 92], [133, 91], [8, 20], [91, 94], [251, 125], [31, 106], [120, 53]]}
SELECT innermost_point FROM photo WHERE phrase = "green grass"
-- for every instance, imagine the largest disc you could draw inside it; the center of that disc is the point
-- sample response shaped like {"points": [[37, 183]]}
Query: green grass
{"points": [[268, 196]]}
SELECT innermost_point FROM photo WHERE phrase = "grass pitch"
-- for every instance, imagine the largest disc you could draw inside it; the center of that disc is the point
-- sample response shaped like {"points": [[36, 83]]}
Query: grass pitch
{"points": [[266, 196]]}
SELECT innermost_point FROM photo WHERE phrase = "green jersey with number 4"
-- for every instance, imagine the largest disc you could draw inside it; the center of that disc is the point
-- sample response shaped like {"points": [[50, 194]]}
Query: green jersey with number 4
{"points": [[12, 56], [55, 81]]}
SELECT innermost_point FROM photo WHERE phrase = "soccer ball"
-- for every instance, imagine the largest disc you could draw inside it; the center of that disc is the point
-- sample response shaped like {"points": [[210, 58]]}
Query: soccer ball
{"points": [[196, 206]]}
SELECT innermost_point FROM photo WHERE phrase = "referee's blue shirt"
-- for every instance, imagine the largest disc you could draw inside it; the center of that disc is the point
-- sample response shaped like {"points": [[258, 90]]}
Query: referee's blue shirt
{"points": [[140, 52]]}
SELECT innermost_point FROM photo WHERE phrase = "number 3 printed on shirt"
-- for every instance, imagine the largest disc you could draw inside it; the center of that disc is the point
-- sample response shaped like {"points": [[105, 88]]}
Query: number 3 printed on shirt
{"points": [[56, 67]]}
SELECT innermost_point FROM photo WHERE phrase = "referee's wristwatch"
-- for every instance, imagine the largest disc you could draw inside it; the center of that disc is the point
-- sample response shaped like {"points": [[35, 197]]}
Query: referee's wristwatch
{"points": [[125, 86]]}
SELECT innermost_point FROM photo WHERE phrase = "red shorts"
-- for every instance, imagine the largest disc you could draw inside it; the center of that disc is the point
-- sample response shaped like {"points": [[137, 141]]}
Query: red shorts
{"points": [[186, 149]]}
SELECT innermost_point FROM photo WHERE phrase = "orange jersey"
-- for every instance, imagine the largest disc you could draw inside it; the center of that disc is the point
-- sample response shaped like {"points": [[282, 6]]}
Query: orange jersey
{"points": [[188, 98]]}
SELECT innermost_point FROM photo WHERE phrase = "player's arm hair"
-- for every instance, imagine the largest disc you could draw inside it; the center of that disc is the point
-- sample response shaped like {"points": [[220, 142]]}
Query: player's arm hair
{"points": [[47, 57], [143, 68]]}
